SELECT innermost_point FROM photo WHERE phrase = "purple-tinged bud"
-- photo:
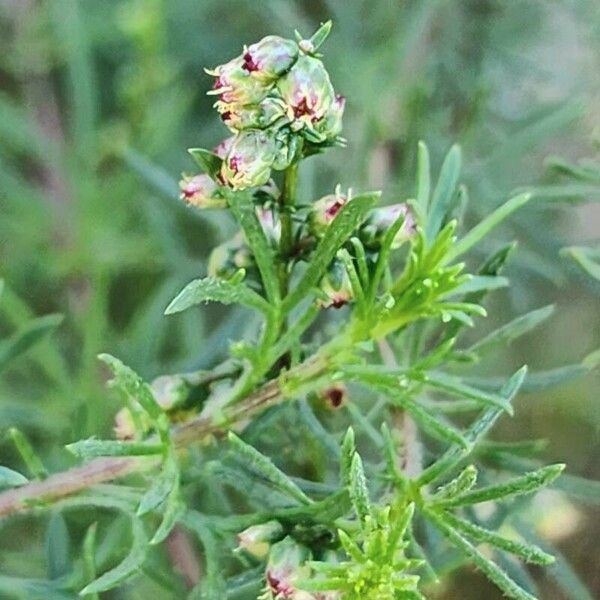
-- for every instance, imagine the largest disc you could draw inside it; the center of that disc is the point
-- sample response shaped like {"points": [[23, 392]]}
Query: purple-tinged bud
{"points": [[335, 287], [229, 257], [270, 223], [200, 191], [235, 85], [270, 58], [285, 567], [257, 540], [170, 391], [331, 126], [249, 161], [124, 427], [306, 88], [222, 148], [253, 116], [325, 210], [381, 219], [334, 396]]}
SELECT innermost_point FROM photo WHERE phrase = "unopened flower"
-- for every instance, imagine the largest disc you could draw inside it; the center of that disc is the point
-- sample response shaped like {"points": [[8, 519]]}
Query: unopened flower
{"points": [[169, 390], [334, 396], [270, 222], [253, 116], [249, 161], [124, 427], [335, 287], [325, 210], [308, 91], [235, 85], [330, 126], [222, 148], [285, 567], [269, 58], [257, 539], [381, 219], [228, 258], [200, 191]]}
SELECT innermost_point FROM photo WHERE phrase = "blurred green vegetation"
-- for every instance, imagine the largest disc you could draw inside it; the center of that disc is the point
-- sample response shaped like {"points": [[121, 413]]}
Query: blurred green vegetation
{"points": [[98, 102]]}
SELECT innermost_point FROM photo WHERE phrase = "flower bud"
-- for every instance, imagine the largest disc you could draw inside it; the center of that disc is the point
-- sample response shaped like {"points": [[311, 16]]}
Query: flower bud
{"points": [[256, 540], [222, 148], [249, 161], [336, 289], [169, 391], [228, 258], [235, 85], [124, 427], [199, 191], [286, 566], [325, 210], [270, 223], [252, 116], [331, 126], [381, 219], [270, 58], [334, 396], [306, 88]]}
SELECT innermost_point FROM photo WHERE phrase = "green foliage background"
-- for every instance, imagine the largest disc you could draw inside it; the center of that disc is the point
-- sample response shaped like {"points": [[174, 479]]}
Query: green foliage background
{"points": [[98, 102]]}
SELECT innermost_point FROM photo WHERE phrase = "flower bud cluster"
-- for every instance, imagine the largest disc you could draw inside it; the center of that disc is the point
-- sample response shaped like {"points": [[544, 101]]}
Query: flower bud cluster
{"points": [[274, 97]]}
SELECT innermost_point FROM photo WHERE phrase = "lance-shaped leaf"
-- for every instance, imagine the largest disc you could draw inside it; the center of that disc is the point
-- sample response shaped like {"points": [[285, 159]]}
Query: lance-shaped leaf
{"points": [[28, 336], [423, 181], [163, 485], [347, 455], [208, 161], [58, 544], [587, 258], [174, 509], [491, 570], [453, 456], [359, 493], [264, 467], [399, 527], [338, 232], [527, 552], [213, 289], [444, 192], [10, 478], [93, 448], [481, 283], [484, 227], [462, 483], [243, 210], [89, 557], [32, 461], [518, 486], [126, 568]]}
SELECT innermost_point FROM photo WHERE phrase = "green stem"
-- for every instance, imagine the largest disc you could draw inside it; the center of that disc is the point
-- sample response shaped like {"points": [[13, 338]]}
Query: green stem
{"points": [[286, 205]]}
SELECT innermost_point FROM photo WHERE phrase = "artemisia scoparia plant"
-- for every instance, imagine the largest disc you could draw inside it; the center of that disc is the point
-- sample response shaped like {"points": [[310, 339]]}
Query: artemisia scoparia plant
{"points": [[357, 312]]}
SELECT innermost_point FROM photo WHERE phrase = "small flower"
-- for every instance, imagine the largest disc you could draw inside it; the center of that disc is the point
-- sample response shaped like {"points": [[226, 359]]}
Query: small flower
{"points": [[270, 58], [381, 219], [124, 427], [335, 287], [249, 161], [199, 191], [235, 85], [331, 126], [228, 258], [270, 222], [256, 540], [286, 566], [334, 396], [325, 210], [222, 148], [169, 391], [253, 116], [308, 91]]}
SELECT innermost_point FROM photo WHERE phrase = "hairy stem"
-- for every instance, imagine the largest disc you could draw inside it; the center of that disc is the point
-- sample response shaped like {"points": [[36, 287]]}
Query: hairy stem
{"points": [[286, 206]]}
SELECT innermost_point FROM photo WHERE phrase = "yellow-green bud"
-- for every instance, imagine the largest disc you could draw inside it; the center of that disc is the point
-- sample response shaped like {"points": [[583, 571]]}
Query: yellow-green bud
{"points": [[200, 191], [336, 288], [235, 85], [257, 540], [270, 58], [325, 210]]}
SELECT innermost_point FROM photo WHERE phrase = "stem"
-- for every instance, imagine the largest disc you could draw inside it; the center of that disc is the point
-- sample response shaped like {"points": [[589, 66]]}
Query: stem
{"points": [[286, 206]]}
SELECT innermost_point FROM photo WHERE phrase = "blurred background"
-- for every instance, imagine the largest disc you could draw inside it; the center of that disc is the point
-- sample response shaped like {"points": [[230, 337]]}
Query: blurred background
{"points": [[98, 103]]}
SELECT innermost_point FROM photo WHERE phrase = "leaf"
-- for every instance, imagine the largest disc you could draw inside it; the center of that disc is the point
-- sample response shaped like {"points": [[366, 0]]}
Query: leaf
{"points": [[243, 210], [125, 569], [346, 222], [347, 454], [513, 329], [57, 547], [528, 552], [92, 448], [464, 482], [526, 484], [28, 454], [215, 289], [481, 283], [28, 336], [484, 227], [443, 193], [163, 485], [263, 466], [359, 493], [89, 556], [399, 527], [584, 258], [456, 387], [10, 478], [208, 161], [321, 34], [453, 456], [174, 510], [491, 570], [423, 179]]}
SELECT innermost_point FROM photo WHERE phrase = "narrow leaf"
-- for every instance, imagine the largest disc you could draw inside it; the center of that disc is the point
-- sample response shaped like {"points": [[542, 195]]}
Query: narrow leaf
{"points": [[163, 485], [208, 161], [10, 478], [89, 556], [30, 458], [423, 179], [216, 290], [58, 545], [92, 448], [460, 484], [347, 454], [359, 493]]}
